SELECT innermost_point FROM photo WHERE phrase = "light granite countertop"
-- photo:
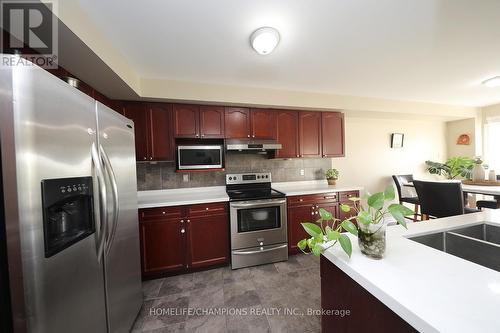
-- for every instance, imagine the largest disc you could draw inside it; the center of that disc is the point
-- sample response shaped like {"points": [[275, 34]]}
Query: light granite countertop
{"points": [[313, 187], [198, 195], [430, 289]]}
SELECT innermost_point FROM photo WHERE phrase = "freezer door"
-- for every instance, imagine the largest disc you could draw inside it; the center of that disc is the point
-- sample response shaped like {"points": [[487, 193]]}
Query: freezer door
{"points": [[54, 130], [122, 256]]}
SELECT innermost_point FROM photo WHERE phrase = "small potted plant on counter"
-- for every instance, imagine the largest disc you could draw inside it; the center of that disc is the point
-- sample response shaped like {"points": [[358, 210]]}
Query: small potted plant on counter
{"points": [[331, 176], [370, 229]]}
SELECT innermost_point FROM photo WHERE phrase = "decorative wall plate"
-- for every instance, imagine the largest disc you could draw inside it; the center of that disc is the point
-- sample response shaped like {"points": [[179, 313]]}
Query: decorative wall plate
{"points": [[463, 139]]}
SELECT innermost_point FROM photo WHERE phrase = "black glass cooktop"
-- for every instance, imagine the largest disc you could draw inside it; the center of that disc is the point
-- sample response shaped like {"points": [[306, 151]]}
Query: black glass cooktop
{"points": [[236, 194]]}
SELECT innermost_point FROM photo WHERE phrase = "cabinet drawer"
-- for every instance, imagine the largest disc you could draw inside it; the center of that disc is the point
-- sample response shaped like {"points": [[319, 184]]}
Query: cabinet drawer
{"points": [[207, 209], [312, 199], [161, 213], [344, 196]]}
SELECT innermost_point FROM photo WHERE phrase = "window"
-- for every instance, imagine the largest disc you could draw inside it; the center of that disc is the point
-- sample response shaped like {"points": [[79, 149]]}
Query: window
{"points": [[492, 145]]}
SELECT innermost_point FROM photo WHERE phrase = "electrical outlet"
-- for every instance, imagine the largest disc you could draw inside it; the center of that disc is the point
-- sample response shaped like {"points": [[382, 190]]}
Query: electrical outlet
{"points": [[302, 172], [185, 177]]}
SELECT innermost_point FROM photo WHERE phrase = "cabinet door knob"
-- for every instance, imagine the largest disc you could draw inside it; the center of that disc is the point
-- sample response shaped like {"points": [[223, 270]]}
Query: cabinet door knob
{"points": [[206, 208], [145, 158], [188, 221], [182, 221], [196, 135], [248, 135], [298, 155], [202, 135], [253, 136], [151, 158], [312, 213], [301, 199], [183, 231], [163, 213]]}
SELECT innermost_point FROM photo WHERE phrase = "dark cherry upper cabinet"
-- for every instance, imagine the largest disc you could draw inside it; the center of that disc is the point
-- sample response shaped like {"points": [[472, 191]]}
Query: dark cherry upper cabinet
{"points": [[211, 122], [162, 145], [310, 134], [153, 130], [263, 123], [332, 134], [287, 128], [186, 120], [162, 246], [138, 113], [213, 230], [237, 123]]}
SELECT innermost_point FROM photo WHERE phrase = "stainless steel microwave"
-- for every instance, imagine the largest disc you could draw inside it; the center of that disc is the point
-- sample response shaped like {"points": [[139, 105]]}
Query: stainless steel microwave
{"points": [[191, 157]]}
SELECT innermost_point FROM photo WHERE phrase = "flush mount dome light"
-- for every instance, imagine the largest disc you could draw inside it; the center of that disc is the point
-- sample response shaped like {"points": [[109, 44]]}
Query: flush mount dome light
{"points": [[264, 40], [493, 82]]}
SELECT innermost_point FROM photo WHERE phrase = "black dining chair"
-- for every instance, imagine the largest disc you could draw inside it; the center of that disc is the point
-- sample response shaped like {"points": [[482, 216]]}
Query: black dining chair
{"points": [[400, 180], [441, 199], [493, 204]]}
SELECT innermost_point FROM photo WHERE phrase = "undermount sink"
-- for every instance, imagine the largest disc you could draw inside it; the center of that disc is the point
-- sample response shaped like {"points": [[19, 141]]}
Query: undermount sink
{"points": [[479, 244]]}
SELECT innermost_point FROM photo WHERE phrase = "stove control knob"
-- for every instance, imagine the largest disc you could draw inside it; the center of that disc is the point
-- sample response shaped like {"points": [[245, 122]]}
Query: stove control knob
{"points": [[267, 176], [230, 178]]}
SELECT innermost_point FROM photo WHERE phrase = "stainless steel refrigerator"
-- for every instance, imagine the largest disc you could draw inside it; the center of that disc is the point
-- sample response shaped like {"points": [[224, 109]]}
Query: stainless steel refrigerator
{"points": [[70, 207]]}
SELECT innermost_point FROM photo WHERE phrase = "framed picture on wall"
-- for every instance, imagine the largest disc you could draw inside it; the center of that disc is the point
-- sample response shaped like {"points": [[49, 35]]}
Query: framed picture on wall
{"points": [[397, 140]]}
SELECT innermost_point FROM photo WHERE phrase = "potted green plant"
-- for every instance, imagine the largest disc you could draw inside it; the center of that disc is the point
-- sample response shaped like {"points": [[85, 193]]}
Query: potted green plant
{"points": [[370, 228], [453, 168], [331, 176]]}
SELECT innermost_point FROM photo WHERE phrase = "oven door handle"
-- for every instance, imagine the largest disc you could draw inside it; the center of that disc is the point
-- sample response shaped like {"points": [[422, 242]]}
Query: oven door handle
{"points": [[258, 204], [260, 251]]}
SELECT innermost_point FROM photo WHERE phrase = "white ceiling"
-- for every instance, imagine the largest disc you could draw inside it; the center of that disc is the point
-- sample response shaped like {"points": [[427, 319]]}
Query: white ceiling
{"points": [[420, 50]]}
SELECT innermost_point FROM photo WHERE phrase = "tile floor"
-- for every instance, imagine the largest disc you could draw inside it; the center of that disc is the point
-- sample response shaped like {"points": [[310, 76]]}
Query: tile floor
{"points": [[256, 297]]}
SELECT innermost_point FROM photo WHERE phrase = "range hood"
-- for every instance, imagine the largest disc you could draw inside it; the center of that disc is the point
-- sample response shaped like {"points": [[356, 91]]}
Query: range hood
{"points": [[252, 145]]}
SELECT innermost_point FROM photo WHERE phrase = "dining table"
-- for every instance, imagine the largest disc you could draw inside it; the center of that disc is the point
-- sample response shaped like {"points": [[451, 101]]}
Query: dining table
{"points": [[491, 190]]}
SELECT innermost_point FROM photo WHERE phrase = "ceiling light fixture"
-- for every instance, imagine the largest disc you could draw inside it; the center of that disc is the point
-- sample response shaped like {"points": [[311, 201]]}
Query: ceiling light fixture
{"points": [[264, 40], [493, 82]]}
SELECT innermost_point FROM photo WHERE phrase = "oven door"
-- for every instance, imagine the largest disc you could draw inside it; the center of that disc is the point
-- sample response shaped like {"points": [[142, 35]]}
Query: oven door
{"points": [[199, 157], [258, 223]]}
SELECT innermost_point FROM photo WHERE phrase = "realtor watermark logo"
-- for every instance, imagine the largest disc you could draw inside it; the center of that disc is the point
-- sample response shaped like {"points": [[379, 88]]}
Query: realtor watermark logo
{"points": [[29, 30]]}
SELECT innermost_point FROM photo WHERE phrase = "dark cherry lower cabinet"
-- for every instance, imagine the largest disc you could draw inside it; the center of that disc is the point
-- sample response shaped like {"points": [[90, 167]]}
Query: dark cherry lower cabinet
{"points": [[305, 208], [366, 313], [181, 238]]}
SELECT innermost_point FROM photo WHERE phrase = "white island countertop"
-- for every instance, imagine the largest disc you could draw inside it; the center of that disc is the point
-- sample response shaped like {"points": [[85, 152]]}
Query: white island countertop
{"points": [[181, 196], [430, 289], [312, 187]]}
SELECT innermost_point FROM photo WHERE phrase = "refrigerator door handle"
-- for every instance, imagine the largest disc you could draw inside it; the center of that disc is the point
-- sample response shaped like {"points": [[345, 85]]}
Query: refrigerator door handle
{"points": [[116, 203], [103, 216]]}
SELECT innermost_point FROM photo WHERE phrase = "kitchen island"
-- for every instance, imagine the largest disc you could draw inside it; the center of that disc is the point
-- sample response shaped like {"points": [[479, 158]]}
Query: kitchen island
{"points": [[415, 287]]}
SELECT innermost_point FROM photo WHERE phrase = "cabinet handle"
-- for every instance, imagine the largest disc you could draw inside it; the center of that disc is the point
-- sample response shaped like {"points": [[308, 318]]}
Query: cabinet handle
{"points": [[145, 158], [301, 199], [248, 135], [183, 231], [253, 136], [151, 158], [196, 135], [163, 213], [316, 213], [298, 155], [188, 221], [316, 206], [202, 135], [206, 208], [182, 221], [312, 213]]}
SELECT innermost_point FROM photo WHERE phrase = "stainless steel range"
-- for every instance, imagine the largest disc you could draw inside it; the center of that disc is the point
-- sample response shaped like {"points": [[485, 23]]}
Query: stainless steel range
{"points": [[258, 220]]}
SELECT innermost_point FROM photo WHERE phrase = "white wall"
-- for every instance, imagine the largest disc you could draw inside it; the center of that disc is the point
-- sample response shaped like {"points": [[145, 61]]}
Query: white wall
{"points": [[370, 161], [453, 130]]}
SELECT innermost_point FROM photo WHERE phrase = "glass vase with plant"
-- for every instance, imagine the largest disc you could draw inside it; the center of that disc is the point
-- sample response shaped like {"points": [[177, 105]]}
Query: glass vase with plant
{"points": [[370, 229], [331, 176]]}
